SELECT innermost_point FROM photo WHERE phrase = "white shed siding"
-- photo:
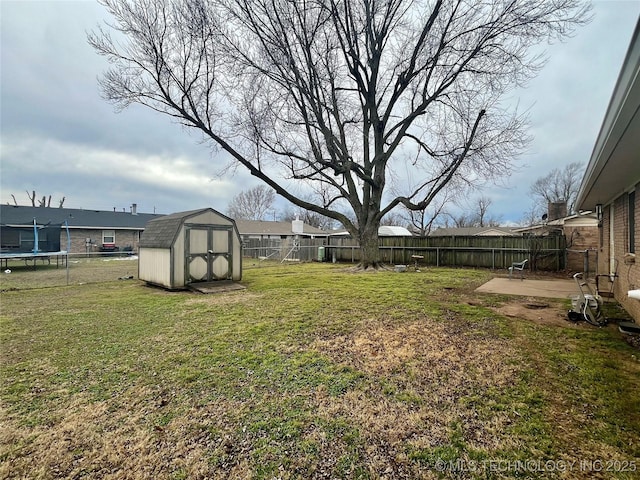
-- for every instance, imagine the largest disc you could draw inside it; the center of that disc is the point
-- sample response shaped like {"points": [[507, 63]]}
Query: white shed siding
{"points": [[208, 218], [220, 267], [154, 266], [220, 243]]}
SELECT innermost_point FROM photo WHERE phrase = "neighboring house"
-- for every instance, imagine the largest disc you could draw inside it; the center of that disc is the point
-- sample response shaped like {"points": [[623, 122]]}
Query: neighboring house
{"points": [[383, 231], [280, 240], [89, 230], [611, 184], [474, 232], [393, 231], [581, 233], [261, 229]]}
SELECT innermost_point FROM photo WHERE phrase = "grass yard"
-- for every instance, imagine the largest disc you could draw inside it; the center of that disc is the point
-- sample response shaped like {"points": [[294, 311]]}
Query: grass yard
{"points": [[81, 270], [313, 371]]}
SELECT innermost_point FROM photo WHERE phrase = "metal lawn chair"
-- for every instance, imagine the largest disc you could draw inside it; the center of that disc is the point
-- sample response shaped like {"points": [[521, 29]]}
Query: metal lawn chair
{"points": [[518, 266]]}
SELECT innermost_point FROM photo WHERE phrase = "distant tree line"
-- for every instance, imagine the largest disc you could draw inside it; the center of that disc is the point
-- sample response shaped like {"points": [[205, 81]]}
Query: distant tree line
{"points": [[450, 209]]}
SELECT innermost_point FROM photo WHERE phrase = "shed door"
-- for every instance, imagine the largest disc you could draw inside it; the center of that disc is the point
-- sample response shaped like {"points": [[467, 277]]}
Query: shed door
{"points": [[208, 253]]}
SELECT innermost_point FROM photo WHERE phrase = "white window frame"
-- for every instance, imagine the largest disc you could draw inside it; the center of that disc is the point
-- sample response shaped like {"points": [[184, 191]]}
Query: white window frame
{"points": [[108, 234]]}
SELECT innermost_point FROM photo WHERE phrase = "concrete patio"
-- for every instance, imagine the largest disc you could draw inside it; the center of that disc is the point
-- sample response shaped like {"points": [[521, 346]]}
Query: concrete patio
{"points": [[551, 288]]}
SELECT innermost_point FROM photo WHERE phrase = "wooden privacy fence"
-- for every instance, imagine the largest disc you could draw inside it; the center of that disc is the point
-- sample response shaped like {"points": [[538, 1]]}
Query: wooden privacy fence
{"points": [[543, 253]]}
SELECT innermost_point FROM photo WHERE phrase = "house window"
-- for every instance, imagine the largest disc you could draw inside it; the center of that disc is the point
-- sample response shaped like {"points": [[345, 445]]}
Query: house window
{"points": [[108, 237], [632, 222]]}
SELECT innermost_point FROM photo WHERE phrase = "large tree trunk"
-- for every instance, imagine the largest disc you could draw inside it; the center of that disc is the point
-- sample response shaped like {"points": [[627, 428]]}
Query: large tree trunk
{"points": [[369, 247]]}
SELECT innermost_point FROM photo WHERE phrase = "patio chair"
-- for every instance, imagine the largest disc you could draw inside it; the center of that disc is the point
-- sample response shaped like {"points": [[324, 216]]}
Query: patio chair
{"points": [[518, 266]]}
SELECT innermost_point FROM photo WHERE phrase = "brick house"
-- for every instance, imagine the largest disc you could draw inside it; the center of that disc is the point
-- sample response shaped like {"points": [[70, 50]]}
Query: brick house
{"points": [[611, 184], [581, 234], [90, 230]]}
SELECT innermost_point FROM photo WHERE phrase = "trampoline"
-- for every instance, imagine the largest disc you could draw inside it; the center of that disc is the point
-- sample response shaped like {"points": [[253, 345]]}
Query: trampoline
{"points": [[31, 242]]}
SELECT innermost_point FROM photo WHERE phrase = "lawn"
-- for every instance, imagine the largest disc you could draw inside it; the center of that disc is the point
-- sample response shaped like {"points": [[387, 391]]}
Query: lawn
{"points": [[313, 371]]}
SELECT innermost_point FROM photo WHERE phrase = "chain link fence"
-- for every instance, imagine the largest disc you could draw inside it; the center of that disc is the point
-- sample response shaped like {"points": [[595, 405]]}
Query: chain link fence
{"points": [[75, 269]]}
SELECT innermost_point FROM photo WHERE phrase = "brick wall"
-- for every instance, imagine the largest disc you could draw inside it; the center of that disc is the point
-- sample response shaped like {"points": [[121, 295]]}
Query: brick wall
{"points": [[579, 239], [628, 272], [78, 236]]}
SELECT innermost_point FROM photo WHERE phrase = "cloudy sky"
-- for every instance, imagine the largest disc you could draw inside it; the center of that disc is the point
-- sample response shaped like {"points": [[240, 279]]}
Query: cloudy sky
{"points": [[60, 138]]}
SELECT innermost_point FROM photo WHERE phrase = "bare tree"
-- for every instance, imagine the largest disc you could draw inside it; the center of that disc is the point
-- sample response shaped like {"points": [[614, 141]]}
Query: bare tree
{"points": [[252, 204], [32, 197], [393, 219], [531, 217], [560, 185], [42, 202], [332, 91], [484, 219], [475, 214], [308, 217], [422, 222]]}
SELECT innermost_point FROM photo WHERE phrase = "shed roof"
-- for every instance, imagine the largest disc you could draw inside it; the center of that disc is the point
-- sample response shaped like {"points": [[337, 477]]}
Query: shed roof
{"points": [[76, 218], [161, 232]]}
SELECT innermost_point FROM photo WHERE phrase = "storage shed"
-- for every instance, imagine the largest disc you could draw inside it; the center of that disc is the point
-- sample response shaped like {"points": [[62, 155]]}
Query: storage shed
{"points": [[187, 248]]}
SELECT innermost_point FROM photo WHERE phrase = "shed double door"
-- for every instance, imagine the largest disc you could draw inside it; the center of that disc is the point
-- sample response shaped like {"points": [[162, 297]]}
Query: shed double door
{"points": [[208, 253]]}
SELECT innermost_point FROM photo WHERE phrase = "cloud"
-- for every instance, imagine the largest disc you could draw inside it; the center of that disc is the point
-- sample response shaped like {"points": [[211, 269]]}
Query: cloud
{"points": [[62, 168], [60, 137]]}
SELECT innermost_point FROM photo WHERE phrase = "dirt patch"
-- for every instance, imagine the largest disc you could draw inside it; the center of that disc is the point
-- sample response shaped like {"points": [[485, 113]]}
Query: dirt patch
{"points": [[541, 312]]}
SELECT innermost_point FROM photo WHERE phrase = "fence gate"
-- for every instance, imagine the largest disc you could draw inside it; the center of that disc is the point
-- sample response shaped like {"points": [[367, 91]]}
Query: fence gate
{"points": [[208, 253]]}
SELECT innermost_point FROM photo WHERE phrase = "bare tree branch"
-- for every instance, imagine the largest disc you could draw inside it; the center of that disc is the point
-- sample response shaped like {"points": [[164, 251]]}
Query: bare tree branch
{"points": [[559, 185]]}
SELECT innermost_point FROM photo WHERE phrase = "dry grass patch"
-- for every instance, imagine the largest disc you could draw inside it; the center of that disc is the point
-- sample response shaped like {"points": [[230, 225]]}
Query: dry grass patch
{"points": [[88, 438], [432, 375], [137, 434]]}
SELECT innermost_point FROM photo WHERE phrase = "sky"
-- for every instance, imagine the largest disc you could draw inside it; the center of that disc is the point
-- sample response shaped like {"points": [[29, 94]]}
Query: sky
{"points": [[60, 138]]}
